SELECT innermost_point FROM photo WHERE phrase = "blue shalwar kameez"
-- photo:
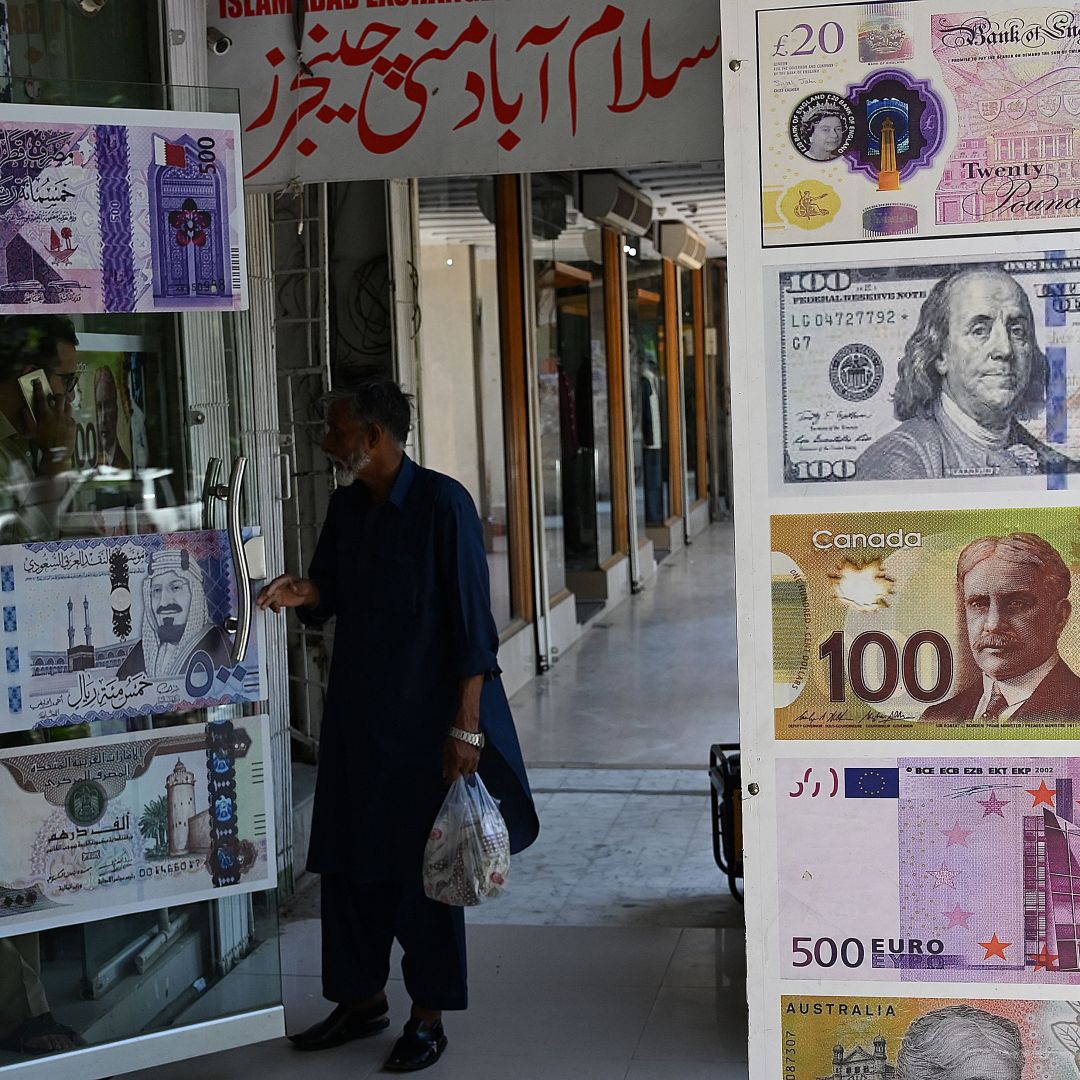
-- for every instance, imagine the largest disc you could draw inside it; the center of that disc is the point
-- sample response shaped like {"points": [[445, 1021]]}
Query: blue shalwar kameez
{"points": [[407, 582]]}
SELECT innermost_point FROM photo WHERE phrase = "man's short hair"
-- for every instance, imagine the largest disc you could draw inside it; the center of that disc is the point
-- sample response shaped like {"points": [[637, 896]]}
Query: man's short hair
{"points": [[939, 1043], [32, 341], [376, 399], [1025, 549], [919, 384]]}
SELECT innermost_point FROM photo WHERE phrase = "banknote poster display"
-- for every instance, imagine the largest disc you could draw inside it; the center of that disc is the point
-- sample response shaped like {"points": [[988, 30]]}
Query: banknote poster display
{"points": [[967, 869], [120, 210], [899, 625], [109, 411], [120, 626], [919, 1038], [107, 826], [905, 437], [925, 373], [919, 119]]}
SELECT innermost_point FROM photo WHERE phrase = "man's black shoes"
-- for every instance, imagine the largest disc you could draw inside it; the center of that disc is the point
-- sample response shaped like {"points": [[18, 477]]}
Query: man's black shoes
{"points": [[343, 1025], [420, 1045]]}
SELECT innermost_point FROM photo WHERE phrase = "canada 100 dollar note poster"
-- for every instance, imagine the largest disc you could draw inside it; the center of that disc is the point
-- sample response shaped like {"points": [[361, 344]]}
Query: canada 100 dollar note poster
{"points": [[925, 118]]}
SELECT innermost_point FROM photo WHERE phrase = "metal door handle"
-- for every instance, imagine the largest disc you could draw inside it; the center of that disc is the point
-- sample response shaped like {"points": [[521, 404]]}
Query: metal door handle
{"points": [[211, 489], [240, 626], [240, 563]]}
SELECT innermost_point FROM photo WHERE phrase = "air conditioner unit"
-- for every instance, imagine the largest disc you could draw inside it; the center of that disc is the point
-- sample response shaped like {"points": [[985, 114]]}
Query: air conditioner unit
{"points": [[610, 200], [683, 246]]}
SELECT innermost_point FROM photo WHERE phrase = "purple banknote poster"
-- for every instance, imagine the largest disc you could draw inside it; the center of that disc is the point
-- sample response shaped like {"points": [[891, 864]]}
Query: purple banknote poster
{"points": [[119, 210], [930, 869]]}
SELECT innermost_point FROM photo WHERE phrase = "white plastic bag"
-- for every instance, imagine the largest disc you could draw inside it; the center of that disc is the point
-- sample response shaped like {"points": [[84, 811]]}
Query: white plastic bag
{"points": [[467, 855]]}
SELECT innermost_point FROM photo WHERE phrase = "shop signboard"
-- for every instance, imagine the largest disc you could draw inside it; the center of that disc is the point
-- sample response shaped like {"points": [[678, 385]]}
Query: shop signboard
{"points": [[120, 210], [903, 201], [121, 823], [370, 89], [116, 627]]}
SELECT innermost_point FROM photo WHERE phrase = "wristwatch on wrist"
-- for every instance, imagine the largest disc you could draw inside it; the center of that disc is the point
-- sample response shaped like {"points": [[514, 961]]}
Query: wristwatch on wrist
{"points": [[473, 738]]}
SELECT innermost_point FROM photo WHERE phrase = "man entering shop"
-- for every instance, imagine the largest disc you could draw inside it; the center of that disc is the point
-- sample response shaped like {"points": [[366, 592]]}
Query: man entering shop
{"points": [[413, 702]]}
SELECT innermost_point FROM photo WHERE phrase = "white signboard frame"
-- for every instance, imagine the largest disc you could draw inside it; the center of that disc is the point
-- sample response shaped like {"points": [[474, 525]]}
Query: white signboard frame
{"points": [[758, 497], [392, 90]]}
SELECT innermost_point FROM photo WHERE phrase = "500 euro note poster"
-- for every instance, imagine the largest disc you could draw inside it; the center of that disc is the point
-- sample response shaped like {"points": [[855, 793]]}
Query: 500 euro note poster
{"points": [[917, 119], [120, 210], [101, 827]]}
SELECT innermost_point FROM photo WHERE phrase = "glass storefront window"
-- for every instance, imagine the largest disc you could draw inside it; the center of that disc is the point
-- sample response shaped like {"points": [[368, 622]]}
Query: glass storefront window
{"points": [[463, 433], [568, 283], [690, 388], [648, 381]]}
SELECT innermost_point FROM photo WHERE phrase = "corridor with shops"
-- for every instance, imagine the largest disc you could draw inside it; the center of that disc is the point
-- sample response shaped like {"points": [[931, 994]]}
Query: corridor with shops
{"points": [[618, 953]]}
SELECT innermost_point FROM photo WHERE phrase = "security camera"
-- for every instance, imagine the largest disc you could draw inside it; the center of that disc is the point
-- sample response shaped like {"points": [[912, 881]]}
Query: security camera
{"points": [[90, 8], [217, 42]]}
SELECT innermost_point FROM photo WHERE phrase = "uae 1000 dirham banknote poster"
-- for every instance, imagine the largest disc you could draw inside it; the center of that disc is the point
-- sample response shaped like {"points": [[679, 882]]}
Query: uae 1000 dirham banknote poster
{"points": [[99, 827], [927, 118]]}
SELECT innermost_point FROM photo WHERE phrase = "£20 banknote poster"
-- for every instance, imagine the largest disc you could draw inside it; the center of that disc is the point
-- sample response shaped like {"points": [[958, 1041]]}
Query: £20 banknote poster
{"points": [[881, 1038], [100, 827], [917, 119], [951, 624], [966, 869], [120, 626], [926, 373], [120, 210]]}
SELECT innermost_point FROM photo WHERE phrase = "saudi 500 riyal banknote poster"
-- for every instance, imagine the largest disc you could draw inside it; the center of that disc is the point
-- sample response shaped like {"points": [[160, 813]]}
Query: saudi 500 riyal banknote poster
{"points": [[116, 627], [120, 210], [924, 1038], [100, 827], [945, 624], [925, 373], [917, 119]]}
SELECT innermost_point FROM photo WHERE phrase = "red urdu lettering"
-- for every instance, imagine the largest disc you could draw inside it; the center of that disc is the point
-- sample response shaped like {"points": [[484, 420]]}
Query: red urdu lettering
{"points": [[609, 21]]}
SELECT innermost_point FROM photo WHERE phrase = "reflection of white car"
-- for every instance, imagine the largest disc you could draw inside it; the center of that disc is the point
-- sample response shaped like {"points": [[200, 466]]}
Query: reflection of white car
{"points": [[114, 502]]}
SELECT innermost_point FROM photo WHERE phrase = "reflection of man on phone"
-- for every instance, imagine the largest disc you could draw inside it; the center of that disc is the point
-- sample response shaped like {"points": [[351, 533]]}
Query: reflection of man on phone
{"points": [[107, 408], [37, 433]]}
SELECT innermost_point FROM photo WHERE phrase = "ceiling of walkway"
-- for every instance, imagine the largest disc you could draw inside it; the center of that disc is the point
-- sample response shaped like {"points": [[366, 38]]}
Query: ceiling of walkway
{"points": [[450, 210]]}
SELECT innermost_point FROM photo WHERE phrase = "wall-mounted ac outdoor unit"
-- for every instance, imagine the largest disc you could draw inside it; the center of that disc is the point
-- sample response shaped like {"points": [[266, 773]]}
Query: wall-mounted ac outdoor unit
{"points": [[610, 200], [683, 246]]}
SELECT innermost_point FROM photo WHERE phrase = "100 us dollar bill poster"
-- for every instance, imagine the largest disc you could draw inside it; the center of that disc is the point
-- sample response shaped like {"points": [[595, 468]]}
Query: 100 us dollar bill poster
{"points": [[917, 119], [925, 373], [120, 210], [945, 624]]}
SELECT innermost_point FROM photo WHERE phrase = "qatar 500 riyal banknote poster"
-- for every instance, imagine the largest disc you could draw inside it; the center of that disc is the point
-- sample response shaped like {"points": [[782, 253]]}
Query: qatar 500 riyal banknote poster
{"points": [[923, 118], [945, 624], [925, 373], [99, 827], [120, 210]]}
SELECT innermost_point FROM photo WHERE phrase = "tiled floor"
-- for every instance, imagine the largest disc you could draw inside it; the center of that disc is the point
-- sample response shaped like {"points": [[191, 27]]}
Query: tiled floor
{"points": [[618, 953]]}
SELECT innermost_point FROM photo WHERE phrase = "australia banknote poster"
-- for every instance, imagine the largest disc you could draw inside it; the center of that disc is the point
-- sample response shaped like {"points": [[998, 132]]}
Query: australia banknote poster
{"points": [[962, 372], [100, 827], [926, 118], [120, 626], [944, 624], [967, 869], [926, 1038], [123, 210]]}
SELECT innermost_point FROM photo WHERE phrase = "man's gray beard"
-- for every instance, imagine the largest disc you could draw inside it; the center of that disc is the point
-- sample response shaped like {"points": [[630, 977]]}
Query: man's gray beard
{"points": [[346, 474]]}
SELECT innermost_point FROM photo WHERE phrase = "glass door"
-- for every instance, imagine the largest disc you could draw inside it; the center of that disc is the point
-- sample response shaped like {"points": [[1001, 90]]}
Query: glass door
{"points": [[107, 426]]}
